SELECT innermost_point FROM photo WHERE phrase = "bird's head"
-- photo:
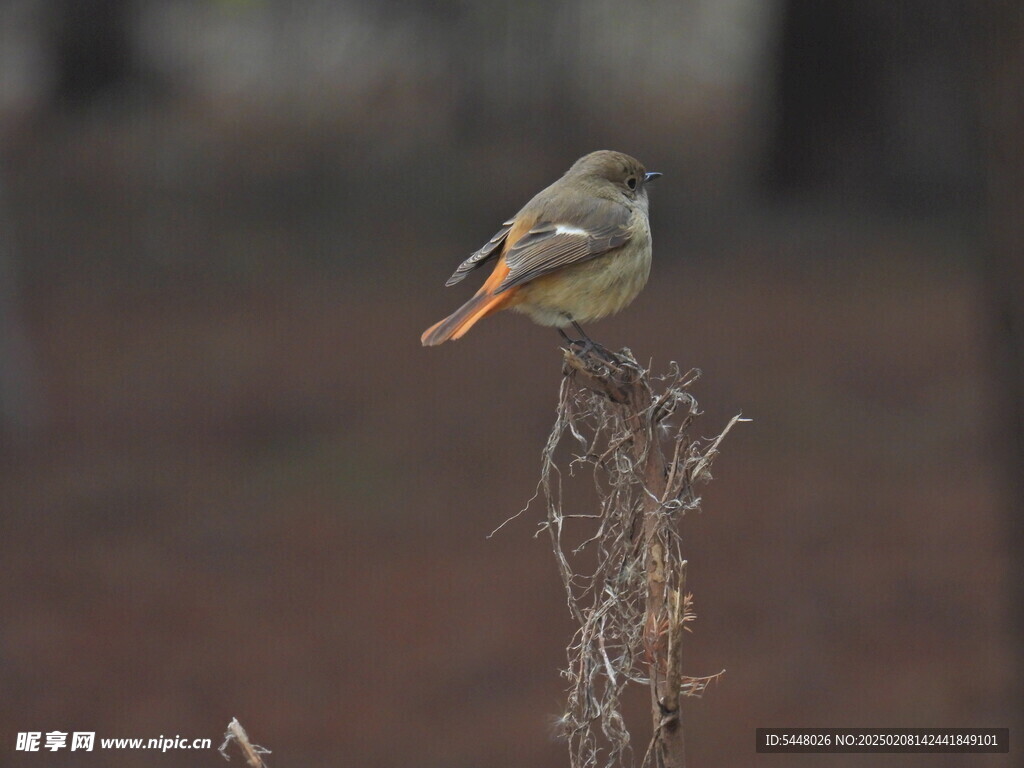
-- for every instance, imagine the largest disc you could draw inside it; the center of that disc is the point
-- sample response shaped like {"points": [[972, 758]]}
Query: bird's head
{"points": [[604, 168]]}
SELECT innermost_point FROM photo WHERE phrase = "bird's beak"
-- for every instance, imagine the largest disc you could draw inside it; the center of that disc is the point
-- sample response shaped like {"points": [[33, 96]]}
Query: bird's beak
{"points": [[651, 176]]}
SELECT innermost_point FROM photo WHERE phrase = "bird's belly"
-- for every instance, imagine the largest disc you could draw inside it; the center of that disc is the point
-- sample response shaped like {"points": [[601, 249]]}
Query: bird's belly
{"points": [[589, 290]]}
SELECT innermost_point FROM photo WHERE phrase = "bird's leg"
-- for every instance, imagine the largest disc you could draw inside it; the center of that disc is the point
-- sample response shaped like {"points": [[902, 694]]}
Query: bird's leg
{"points": [[564, 335], [580, 331], [586, 346], [591, 345], [581, 347], [584, 342]]}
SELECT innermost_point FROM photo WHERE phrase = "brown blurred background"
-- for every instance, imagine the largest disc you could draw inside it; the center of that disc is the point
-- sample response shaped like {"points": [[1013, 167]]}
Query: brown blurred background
{"points": [[233, 484]]}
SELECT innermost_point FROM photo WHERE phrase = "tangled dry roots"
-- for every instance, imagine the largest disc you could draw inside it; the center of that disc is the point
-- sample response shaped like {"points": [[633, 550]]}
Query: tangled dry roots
{"points": [[623, 566]]}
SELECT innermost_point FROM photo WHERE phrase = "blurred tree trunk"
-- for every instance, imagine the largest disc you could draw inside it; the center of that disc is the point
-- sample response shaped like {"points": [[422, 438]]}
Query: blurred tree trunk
{"points": [[873, 104], [19, 409], [92, 49], [1000, 53]]}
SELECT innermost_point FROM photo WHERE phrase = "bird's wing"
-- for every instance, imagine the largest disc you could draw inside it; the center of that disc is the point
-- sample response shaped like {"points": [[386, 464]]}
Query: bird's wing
{"points": [[491, 248], [551, 245]]}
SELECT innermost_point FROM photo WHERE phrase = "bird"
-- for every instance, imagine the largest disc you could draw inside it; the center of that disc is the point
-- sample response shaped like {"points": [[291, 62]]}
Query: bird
{"points": [[578, 251]]}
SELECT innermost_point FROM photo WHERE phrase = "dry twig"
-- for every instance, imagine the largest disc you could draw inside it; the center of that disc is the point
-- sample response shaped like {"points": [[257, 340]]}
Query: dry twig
{"points": [[251, 752], [630, 430]]}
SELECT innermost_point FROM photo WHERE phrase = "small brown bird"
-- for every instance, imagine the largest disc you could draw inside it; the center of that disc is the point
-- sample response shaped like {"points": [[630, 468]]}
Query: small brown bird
{"points": [[578, 251]]}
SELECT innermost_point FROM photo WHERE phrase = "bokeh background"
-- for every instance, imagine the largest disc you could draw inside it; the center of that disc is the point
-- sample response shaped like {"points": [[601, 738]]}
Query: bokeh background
{"points": [[233, 483]]}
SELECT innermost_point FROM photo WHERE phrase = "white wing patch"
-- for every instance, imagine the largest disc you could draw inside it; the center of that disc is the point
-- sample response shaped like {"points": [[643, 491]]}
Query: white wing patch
{"points": [[565, 229]]}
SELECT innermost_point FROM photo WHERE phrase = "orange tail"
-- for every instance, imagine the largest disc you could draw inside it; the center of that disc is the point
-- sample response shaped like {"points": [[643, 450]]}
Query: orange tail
{"points": [[465, 317]]}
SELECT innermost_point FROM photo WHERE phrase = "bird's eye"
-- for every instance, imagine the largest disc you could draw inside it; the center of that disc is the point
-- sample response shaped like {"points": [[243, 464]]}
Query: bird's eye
{"points": [[631, 182]]}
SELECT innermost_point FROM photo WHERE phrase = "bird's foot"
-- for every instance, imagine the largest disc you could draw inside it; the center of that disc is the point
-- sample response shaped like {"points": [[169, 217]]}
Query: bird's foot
{"points": [[588, 349], [583, 347], [605, 372]]}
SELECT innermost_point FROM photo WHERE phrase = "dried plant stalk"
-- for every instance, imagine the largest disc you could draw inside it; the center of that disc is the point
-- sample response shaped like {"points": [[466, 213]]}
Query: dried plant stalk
{"points": [[630, 602], [251, 753]]}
